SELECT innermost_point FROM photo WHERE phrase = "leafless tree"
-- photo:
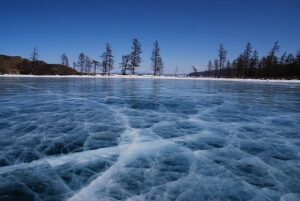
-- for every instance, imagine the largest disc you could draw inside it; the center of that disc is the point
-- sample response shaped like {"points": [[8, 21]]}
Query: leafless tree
{"points": [[157, 63], [64, 60], [125, 64], [135, 55], [34, 55]]}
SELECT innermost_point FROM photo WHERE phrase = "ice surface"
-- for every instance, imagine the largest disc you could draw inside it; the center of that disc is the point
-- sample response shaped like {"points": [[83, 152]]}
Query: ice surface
{"points": [[141, 139]]}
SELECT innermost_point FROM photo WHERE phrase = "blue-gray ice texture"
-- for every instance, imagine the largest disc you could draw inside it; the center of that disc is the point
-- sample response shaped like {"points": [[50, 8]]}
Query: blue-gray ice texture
{"points": [[132, 139]]}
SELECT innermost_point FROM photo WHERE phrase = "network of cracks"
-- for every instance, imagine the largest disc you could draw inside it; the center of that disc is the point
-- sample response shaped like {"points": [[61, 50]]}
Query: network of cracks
{"points": [[146, 150]]}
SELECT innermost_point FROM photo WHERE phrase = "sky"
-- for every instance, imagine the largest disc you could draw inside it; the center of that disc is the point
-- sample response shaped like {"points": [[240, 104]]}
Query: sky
{"points": [[189, 31]]}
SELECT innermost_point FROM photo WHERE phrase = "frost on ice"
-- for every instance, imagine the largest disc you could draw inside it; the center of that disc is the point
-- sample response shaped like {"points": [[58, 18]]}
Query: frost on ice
{"points": [[114, 139]]}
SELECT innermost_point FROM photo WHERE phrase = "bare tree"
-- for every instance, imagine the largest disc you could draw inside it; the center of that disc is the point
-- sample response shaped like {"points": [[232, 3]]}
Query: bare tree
{"points": [[88, 65], [246, 59], [81, 62], [64, 60], [271, 60], [160, 64], [209, 67], [254, 61], [157, 63], [34, 55], [107, 60], [74, 65], [216, 66], [222, 59], [274, 49], [135, 55], [125, 64], [96, 64]]}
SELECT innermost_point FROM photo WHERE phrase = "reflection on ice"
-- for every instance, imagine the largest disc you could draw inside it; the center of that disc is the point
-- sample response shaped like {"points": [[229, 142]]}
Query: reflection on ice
{"points": [[114, 139]]}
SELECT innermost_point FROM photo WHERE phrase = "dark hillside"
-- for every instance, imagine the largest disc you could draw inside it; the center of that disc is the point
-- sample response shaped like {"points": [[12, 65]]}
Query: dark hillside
{"points": [[18, 65]]}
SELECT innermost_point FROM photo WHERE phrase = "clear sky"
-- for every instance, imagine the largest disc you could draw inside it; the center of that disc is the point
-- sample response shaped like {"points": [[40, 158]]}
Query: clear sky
{"points": [[189, 31]]}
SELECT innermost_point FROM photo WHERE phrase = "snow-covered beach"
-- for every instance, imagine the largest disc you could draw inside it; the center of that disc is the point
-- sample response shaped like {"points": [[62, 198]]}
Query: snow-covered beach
{"points": [[156, 77]]}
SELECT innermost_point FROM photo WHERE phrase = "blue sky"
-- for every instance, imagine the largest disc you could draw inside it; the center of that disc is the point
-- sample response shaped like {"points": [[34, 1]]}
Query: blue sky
{"points": [[189, 31]]}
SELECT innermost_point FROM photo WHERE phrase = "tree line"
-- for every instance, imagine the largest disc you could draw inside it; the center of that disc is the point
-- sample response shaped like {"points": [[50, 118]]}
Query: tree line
{"points": [[129, 62], [249, 65]]}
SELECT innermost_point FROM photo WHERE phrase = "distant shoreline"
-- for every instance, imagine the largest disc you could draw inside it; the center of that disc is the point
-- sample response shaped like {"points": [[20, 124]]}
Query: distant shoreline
{"points": [[152, 77]]}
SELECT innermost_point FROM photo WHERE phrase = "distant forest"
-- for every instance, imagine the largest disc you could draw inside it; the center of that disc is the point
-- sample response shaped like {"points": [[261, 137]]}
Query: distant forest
{"points": [[249, 65]]}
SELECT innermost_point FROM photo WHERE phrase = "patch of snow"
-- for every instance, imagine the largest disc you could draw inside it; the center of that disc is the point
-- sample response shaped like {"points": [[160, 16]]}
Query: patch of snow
{"points": [[156, 77]]}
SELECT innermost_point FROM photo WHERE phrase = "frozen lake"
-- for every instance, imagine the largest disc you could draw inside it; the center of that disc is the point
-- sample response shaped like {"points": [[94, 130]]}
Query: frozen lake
{"points": [[134, 139]]}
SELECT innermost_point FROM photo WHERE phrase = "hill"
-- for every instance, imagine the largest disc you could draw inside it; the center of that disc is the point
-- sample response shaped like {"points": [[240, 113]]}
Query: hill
{"points": [[19, 65]]}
